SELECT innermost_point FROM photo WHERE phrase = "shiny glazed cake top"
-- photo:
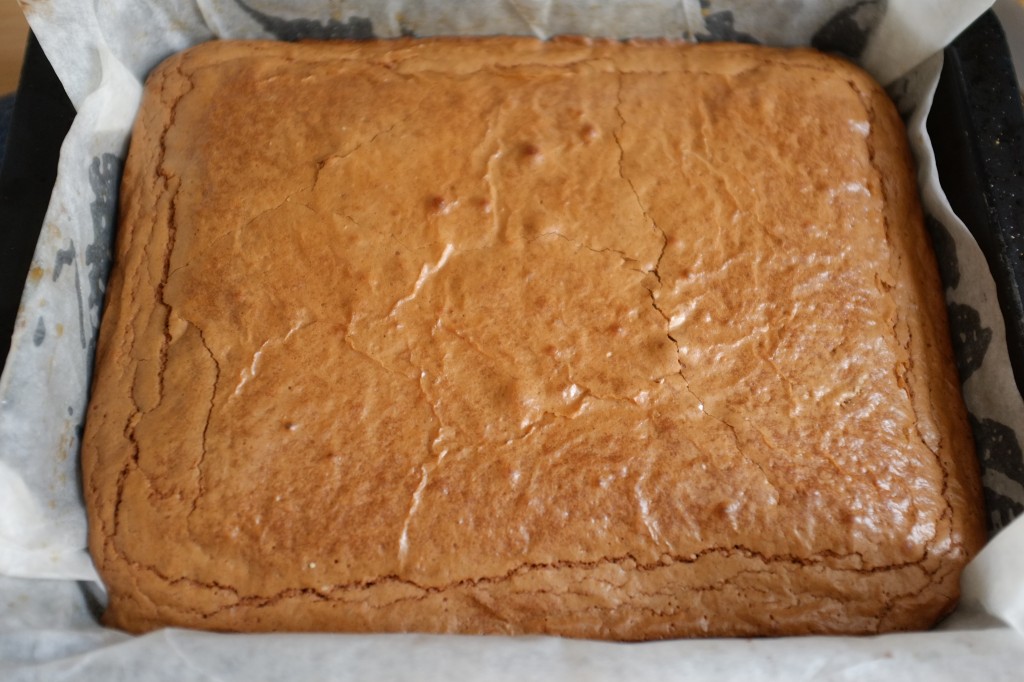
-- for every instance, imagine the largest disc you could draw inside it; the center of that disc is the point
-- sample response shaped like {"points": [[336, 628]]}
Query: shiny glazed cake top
{"points": [[429, 316]]}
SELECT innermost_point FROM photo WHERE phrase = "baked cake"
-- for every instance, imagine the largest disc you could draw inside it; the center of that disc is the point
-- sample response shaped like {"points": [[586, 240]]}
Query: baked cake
{"points": [[597, 339]]}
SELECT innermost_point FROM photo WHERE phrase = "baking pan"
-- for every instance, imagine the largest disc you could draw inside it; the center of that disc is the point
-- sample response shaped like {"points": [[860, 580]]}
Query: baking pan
{"points": [[41, 118], [977, 129]]}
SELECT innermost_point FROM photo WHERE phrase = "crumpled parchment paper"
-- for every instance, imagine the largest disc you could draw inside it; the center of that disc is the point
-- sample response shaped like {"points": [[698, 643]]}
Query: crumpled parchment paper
{"points": [[50, 597]]}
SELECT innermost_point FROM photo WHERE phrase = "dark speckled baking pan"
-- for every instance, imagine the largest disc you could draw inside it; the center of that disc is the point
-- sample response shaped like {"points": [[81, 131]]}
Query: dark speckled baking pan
{"points": [[977, 129]]}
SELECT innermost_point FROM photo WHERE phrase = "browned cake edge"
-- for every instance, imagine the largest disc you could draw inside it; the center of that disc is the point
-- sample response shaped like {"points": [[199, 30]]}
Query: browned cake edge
{"points": [[882, 599]]}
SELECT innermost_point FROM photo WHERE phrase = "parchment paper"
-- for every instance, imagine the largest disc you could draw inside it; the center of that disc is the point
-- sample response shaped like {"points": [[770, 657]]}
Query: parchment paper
{"points": [[1011, 16], [50, 598]]}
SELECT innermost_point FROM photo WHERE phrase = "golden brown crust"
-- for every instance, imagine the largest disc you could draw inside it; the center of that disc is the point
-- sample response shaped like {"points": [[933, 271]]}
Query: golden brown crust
{"points": [[507, 336]]}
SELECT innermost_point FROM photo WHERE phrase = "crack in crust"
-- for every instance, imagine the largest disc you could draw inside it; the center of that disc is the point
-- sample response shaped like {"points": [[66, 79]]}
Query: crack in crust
{"points": [[335, 592], [136, 416]]}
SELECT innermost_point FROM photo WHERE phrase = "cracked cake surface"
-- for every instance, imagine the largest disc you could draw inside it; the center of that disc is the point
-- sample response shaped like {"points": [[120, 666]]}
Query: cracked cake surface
{"points": [[599, 339]]}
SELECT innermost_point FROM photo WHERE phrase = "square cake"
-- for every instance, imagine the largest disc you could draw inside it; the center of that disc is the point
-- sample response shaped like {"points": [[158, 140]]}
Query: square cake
{"points": [[597, 339]]}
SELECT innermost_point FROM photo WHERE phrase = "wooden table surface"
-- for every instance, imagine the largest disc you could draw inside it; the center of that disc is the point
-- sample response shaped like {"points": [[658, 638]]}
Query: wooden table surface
{"points": [[13, 33]]}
